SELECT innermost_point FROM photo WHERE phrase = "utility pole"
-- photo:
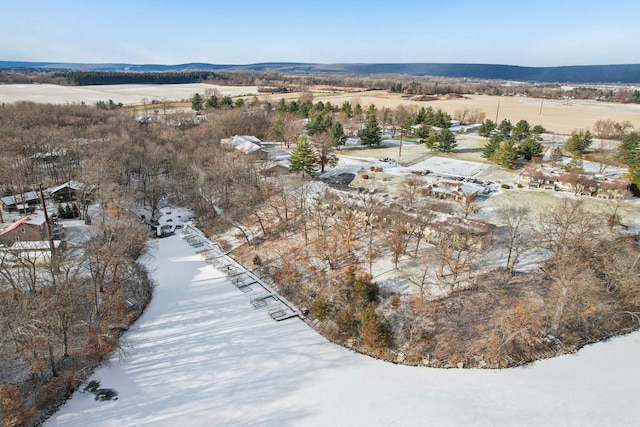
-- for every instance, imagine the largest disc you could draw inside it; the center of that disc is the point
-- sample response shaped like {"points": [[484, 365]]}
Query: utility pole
{"points": [[47, 227], [541, 102], [400, 148], [497, 109]]}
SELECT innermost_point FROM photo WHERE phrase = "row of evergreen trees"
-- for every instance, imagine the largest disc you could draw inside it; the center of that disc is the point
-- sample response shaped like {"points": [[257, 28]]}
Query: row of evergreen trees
{"points": [[507, 143], [84, 78]]}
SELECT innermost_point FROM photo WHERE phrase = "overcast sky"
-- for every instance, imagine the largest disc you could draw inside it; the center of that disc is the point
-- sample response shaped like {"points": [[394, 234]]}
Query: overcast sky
{"points": [[514, 32]]}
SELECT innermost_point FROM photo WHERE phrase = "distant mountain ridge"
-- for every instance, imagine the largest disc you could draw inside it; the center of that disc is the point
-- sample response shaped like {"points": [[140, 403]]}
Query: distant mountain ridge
{"points": [[616, 73]]}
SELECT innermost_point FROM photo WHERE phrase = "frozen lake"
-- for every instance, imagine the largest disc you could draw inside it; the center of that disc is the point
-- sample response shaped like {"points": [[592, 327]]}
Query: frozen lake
{"points": [[202, 356]]}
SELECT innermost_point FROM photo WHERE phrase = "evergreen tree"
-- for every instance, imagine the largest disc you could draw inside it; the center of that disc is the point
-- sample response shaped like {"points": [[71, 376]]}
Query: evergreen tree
{"points": [[521, 130], [303, 158], [337, 132], [305, 107], [429, 117], [506, 155], [579, 142], [422, 115], [431, 141], [492, 146], [530, 148], [226, 101], [423, 132], [538, 130], [319, 121], [293, 107], [505, 127], [371, 135], [346, 109], [196, 102], [374, 333], [442, 119], [212, 102], [446, 140], [358, 290], [486, 128], [630, 148]]}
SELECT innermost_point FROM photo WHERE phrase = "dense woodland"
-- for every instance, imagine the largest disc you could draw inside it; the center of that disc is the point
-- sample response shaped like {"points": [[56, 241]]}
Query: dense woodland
{"points": [[61, 318]]}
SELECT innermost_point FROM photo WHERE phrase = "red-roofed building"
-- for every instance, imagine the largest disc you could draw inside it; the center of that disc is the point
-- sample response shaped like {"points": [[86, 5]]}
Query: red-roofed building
{"points": [[29, 228]]}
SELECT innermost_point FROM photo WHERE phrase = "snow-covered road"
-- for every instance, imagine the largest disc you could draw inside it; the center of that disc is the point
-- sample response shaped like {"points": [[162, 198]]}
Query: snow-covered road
{"points": [[202, 356]]}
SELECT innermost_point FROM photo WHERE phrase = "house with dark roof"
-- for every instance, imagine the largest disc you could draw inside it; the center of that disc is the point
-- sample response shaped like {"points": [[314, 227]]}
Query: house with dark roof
{"points": [[20, 202], [65, 192]]}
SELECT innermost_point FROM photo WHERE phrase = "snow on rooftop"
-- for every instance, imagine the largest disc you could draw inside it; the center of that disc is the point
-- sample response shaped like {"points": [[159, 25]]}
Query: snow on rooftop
{"points": [[36, 219], [200, 355], [20, 198], [248, 147], [74, 185]]}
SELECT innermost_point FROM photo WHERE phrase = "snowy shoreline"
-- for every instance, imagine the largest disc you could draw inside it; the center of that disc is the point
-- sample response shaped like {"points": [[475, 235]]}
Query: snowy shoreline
{"points": [[201, 355]]}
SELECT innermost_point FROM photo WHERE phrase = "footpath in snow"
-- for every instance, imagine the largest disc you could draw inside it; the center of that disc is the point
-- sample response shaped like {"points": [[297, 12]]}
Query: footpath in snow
{"points": [[201, 355]]}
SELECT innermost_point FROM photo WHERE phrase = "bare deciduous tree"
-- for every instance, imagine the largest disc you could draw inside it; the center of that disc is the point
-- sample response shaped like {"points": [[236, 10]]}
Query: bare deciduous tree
{"points": [[518, 240]]}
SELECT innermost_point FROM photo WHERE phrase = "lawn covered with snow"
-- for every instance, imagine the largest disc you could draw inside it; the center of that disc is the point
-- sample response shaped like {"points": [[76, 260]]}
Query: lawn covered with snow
{"points": [[202, 356], [450, 167]]}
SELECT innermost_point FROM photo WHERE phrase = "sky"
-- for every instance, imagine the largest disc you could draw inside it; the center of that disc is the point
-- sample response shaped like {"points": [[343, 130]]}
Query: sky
{"points": [[512, 32]]}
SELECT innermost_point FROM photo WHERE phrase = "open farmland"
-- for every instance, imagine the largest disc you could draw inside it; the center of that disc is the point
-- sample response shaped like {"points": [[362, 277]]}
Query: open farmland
{"points": [[127, 94], [557, 116]]}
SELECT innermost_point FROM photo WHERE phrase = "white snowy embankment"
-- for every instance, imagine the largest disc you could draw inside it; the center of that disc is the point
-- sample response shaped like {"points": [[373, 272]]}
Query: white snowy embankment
{"points": [[201, 356]]}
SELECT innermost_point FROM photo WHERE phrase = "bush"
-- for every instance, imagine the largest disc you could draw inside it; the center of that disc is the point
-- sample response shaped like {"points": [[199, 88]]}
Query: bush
{"points": [[320, 308], [395, 302], [506, 186], [374, 333], [347, 321], [257, 261]]}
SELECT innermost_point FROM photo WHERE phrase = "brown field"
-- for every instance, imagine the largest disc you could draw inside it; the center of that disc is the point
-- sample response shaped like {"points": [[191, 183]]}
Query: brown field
{"points": [[557, 116]]}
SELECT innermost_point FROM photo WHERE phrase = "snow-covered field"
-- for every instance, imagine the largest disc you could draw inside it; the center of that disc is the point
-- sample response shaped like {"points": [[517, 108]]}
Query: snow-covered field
{"points": [[202, 356], [127, 94]]}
